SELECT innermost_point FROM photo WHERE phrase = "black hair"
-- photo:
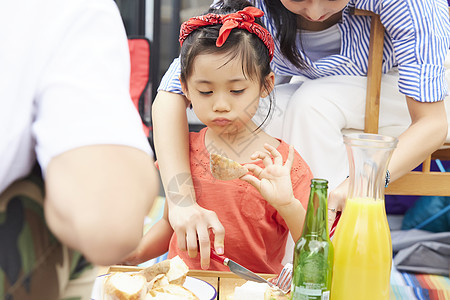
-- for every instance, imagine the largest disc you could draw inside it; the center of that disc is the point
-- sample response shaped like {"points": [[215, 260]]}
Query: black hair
{"points": [[240, 43], [286, 24]]}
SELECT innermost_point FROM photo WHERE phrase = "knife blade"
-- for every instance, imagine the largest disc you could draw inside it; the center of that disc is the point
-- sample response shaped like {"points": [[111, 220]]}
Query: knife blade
{"points": [[238, 269]]}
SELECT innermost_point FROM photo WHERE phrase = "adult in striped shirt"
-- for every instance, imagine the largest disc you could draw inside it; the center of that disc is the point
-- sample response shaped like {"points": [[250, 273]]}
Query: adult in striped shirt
{"points": [[320, 61]]}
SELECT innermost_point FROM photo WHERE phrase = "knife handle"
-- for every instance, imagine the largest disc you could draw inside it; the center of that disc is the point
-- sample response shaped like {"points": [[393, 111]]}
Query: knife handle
{"points": [[333, 227], [217, 257]]}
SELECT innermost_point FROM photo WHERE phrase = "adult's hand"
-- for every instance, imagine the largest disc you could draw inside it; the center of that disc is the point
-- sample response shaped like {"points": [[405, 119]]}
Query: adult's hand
{"points": [[191, 225], [336, 201]]}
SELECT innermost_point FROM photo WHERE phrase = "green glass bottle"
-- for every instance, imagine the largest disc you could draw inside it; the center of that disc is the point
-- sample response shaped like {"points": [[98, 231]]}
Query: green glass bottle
{"points": [[313, 252]]}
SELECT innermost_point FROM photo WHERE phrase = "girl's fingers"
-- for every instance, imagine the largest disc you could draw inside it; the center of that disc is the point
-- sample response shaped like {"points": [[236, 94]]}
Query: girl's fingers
{"points": [[181, 239], [256, 170], [278, 159], [191, 242], [219, 235], [204, 246], [252, 180], [264, 156], [290, 158]]}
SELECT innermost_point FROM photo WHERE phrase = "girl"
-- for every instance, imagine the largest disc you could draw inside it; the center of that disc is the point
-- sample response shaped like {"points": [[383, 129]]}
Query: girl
{"points": [[321, 42], [225, 70]]}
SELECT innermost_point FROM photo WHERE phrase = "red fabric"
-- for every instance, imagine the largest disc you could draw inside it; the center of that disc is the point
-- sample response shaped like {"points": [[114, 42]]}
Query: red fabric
{"points": [[140, 71], [244, 19], [255, 234]]}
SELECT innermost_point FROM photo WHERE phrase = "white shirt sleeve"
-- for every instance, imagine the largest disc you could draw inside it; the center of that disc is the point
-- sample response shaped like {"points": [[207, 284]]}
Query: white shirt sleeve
{"points": [[83, 93]]}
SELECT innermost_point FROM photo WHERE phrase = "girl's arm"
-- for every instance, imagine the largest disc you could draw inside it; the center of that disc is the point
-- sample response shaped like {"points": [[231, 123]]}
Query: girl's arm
{"points": [[294, 215], [426, 134], [275, 185], [154, 243], [189, 221]]}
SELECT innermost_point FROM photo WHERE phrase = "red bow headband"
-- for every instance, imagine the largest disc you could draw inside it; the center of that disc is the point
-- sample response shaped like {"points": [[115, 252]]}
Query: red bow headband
{"points": [[244, 19]]}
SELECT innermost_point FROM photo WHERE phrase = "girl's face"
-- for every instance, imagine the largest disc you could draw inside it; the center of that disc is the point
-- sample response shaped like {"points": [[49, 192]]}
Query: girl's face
{"points": [[222, 97], [315, 10]]}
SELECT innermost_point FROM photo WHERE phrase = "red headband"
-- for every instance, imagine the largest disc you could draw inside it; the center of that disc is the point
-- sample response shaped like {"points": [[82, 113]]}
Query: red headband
{"points": [[244, 19]]}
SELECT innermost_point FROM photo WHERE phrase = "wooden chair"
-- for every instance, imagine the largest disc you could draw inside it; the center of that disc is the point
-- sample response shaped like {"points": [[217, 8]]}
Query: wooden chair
{"points": [[421, 183]]}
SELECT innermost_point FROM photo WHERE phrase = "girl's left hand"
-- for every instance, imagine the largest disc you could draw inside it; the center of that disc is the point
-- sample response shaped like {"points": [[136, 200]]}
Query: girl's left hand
{"points": [[274, 180]]}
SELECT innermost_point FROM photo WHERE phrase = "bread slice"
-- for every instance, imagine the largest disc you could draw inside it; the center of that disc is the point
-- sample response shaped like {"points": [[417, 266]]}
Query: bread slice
{"points": [[178, 271], [275, 294], [125, 286], [160, 281], [175, 270], [223, 168], [155, 270]]}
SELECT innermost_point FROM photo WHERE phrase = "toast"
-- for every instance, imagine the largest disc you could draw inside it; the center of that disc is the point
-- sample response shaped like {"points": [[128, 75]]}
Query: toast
{"points": [[160, 268], [177, 272], [125, 286], [223, 168], [275, 294], [161, 281]]}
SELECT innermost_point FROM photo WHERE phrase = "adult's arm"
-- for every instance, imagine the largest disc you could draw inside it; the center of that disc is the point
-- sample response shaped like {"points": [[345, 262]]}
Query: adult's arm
{"points": [[190, 222], [97, 198], [426, 134], [421, 42]]}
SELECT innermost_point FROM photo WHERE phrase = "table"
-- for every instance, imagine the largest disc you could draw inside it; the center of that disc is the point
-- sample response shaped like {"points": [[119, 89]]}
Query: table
{"points": [[223, 282]]}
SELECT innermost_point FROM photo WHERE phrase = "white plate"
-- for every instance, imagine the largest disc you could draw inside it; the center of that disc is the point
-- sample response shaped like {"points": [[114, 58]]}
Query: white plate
{"points": [[200, 288]]}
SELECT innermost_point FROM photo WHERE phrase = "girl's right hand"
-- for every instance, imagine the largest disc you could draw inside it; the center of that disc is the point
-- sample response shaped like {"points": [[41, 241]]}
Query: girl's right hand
{"points": [[274, 180], [191, 225]]}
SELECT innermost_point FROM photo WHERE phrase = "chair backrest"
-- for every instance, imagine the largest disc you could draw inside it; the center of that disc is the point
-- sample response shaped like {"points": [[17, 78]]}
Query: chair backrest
{"points": [[425, 182], [140, 81]]}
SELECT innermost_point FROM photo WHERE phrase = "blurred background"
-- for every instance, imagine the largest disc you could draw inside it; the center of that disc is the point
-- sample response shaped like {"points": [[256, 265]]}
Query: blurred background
{"points": [[159, 21]]}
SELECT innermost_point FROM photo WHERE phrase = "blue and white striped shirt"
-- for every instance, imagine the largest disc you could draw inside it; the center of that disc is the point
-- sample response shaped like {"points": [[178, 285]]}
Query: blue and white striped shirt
{"points": [[417, 39]]}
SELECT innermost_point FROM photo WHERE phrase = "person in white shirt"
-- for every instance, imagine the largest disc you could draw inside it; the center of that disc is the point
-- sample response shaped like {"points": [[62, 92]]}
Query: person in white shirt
{"points": [[65, 106]]}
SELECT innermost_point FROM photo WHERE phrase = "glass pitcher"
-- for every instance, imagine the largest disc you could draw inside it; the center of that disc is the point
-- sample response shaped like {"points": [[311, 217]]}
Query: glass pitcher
{"points": [[362, 242]]}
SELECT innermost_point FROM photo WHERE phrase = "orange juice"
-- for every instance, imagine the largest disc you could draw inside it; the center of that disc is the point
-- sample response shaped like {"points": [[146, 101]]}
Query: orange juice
{"points": [[362, 252]]}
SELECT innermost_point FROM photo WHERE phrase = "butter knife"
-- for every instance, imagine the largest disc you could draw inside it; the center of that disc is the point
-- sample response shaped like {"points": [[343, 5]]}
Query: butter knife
{"points": [[238, 269]]}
